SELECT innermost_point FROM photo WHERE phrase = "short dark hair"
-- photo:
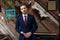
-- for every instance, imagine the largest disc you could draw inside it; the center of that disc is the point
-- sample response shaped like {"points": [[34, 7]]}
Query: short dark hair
{"points": [[24, 4]]}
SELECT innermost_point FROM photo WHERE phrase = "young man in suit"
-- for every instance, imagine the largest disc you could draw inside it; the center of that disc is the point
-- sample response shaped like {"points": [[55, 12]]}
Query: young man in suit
{"points": [[25, 24]]}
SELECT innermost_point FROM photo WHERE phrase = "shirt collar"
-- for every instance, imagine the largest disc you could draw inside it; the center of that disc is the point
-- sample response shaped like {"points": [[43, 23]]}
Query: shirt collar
{"points": [[24, 15]]}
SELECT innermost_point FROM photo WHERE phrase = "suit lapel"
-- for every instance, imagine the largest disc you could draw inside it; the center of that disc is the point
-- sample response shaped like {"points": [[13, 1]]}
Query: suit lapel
{"points": [[22, 20]]}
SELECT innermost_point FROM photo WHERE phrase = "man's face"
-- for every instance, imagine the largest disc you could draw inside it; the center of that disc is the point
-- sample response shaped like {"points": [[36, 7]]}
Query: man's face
{"points": [[23, 9]]}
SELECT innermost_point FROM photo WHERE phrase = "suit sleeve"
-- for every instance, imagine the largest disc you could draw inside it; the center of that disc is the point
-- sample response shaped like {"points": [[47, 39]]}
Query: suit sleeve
{"points": [[17, 26], [35, 26]]}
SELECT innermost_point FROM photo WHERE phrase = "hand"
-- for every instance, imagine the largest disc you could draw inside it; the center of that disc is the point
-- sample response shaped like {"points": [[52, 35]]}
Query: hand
{"points": [[27, 35]]}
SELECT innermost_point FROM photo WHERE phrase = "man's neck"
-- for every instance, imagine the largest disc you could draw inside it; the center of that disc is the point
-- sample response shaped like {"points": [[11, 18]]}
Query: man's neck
{"points": [[24, 14]]}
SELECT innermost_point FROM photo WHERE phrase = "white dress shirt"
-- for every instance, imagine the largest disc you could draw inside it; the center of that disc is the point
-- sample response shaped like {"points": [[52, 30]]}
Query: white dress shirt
{"points": [[24, 15]]}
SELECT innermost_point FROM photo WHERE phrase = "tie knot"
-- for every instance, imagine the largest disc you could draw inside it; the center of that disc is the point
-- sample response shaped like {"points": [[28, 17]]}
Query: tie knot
{"points": [[24, 16]]}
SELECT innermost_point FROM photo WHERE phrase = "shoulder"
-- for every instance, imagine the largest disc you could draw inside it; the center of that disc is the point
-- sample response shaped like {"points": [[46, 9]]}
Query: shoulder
{"points": [[18, 16], [30, 15]]}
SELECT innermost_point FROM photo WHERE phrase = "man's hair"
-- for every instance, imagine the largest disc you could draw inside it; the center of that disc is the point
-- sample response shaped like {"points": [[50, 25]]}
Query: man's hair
{"points": [[24, 4]]}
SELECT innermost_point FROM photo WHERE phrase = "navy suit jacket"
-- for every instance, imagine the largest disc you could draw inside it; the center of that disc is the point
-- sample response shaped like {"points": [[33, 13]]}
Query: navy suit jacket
{"points": [[31, 25]]}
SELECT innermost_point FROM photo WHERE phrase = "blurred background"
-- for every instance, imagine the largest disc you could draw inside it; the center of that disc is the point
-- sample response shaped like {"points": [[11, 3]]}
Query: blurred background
{"points": [[44, 11]]}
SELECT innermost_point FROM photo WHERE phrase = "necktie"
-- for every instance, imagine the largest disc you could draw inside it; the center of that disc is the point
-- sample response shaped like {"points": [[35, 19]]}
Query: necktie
{"points": [[25, 20]]}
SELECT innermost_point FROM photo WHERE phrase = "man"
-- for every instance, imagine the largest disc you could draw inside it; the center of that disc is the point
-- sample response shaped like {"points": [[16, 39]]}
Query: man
{"points": [[26, 24]]}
